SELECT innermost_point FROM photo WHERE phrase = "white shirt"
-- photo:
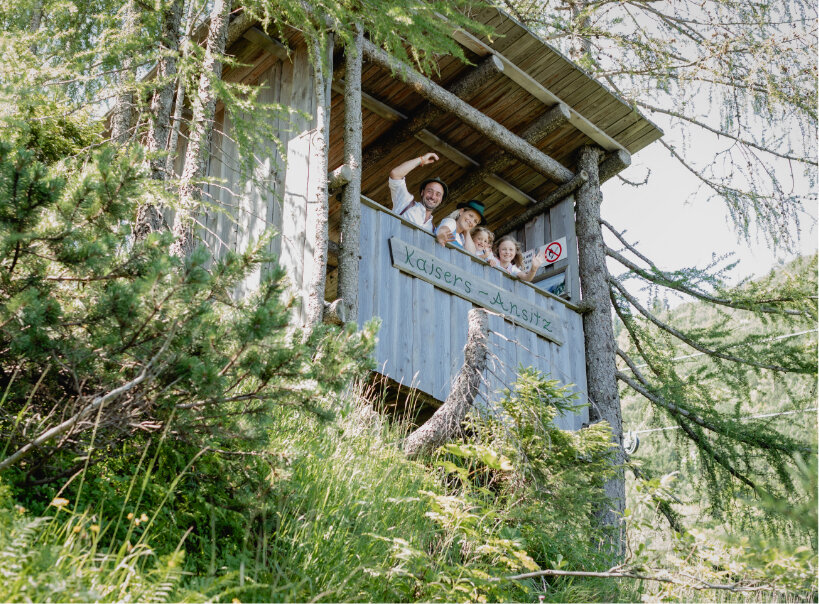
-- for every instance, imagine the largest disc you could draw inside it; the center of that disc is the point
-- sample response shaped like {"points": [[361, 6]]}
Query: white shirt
{"points": [[404, 204], [512, 270], [450, 223]]}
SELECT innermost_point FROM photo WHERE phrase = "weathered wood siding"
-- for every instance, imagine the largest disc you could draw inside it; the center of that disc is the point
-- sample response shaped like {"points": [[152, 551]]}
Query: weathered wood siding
{"points": [[555, 223], [243, 204], [423, 329]]}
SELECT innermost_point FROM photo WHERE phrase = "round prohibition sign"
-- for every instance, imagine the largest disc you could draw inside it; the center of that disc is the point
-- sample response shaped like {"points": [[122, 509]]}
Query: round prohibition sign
{"points": [[553, 251]]}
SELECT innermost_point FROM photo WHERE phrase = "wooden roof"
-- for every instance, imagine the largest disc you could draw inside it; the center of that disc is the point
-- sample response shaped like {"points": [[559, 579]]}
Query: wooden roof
{"points": [[536, 77]]}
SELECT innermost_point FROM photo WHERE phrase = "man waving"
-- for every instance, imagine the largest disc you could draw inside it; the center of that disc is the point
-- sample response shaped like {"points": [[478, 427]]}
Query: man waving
{"points": [[432, 193]]}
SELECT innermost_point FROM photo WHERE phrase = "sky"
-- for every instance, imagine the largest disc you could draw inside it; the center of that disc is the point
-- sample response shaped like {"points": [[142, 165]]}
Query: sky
{"points": [[676, 226]]}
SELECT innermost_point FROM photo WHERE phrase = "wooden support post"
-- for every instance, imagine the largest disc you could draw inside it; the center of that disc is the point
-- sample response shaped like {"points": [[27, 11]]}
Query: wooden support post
{"points": [[334, 313], [464, 88], [507, 140], [554, 198], [540, 129], [446, 421], [351, 197], [318, 204], [613, 163], [339, 177], [598, 331]]}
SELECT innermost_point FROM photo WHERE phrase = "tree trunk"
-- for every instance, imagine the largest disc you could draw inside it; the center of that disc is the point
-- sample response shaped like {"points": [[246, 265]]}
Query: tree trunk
{"points": [[179, 103], [204, 107], [534, 134], [446, 421], [597, 328], [351, 197], [465, 88], [507, 140], [149, 217], [318, 205], [123, 113]]}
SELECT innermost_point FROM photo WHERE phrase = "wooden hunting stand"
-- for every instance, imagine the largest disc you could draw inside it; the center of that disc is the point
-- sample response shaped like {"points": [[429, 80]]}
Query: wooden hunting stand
{"points": [[524, 130]]}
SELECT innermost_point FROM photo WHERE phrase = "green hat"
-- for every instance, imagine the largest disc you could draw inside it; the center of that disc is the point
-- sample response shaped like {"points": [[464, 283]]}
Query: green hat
{"points": [[474, 204], [439, 181]]}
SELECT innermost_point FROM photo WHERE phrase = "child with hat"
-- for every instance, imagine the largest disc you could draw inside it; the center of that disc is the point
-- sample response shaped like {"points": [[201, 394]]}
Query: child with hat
{"points": [[457, 227]]}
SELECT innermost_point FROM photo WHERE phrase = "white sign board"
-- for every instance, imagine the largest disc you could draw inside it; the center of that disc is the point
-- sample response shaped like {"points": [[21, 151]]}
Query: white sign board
{"points": [[553, 251], [462, 283]]}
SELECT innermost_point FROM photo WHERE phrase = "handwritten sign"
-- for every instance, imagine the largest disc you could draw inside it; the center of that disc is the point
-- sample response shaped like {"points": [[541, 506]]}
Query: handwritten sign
{"points": [[462, 283], [554, 251]]}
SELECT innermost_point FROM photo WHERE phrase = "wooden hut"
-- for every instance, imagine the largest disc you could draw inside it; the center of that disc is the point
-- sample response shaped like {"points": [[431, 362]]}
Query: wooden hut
{"points": [[509, 130]]}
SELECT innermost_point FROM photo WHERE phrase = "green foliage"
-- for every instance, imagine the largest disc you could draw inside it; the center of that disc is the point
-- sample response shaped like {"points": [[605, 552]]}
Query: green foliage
{"points": [[708, 367], [411, 30], [117, 336], [731, 83]]}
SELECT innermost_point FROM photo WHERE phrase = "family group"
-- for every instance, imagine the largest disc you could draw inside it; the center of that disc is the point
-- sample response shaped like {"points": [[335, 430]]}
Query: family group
{"points": [[464, 228]]}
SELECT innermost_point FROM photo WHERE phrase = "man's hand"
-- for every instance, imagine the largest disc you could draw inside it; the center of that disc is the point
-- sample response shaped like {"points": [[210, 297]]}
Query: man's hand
{"points": [[428, 158], [444, 236], [401, 171]]}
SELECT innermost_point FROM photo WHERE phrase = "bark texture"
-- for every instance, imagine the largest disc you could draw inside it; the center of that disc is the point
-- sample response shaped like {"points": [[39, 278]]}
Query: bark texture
{"points": [[445, 424], [149, 216], [536, 132], [179, 104], [204, 106], [519, 148], [465, 88], [601, 349], [318, 204], [351, 197], [123, 113]]}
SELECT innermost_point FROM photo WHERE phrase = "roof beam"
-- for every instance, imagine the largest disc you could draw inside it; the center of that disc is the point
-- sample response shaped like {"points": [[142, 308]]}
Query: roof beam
{"points": [[340, 176], [551, 200], [536, 89], [494, 131], [463, 160], [536, 132], [464, 88]]}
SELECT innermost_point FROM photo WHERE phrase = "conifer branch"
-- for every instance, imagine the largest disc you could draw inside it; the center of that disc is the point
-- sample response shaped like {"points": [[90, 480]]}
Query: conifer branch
{"points": [[704, 126], [644, 388], [87, 410], [662, 278], [693, 343]]}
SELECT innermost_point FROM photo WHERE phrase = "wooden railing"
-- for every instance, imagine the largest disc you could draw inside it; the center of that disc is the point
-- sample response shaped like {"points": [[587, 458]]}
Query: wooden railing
{"points": [[408, 280]]}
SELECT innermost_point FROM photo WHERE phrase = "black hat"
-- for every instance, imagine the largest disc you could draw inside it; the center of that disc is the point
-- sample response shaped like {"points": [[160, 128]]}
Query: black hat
{"points": [[474, 204], [439, 181]]}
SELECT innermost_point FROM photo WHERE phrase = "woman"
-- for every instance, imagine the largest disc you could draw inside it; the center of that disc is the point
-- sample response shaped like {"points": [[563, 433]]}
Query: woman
{"points": [[457, 227]]}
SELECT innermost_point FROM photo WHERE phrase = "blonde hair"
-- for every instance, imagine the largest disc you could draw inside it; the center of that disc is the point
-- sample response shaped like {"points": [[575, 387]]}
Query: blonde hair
{"points": [[490, 236], [518, 259]]}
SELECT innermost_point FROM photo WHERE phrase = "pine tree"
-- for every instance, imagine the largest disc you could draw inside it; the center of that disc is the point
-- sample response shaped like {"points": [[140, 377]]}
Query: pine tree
{"points": [[744, 73]]}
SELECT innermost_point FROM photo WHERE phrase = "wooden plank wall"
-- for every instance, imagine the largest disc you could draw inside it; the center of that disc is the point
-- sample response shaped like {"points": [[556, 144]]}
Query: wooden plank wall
{"points": [[423, 329], [556, 223], [242, 207]]}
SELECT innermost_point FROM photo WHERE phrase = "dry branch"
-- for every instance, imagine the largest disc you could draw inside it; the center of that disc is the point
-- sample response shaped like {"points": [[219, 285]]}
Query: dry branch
{"points": [[446, 421]]}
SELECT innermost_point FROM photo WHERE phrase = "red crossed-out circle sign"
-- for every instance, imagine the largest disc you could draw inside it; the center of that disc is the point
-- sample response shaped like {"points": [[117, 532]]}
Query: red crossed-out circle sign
{"points": [[553, 251]]}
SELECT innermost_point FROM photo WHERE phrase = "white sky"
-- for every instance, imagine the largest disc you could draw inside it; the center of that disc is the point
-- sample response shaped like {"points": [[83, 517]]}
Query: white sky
{"points": [[677, 228]]}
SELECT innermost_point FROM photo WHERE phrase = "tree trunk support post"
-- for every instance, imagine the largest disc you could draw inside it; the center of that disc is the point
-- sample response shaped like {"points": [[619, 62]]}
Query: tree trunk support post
{"points": [[507, 140], [318, 202], [601, 350], [465, 88], [351, 196], [445, 423]]}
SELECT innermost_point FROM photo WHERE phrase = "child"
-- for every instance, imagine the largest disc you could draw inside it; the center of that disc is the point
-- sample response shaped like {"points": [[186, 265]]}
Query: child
{"points": [[483, 239], [457, 227], [510, 258]]}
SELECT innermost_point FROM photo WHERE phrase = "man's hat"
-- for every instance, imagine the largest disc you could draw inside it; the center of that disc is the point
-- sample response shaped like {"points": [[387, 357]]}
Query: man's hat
{"points": [[439, 181], [474, 204]]}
